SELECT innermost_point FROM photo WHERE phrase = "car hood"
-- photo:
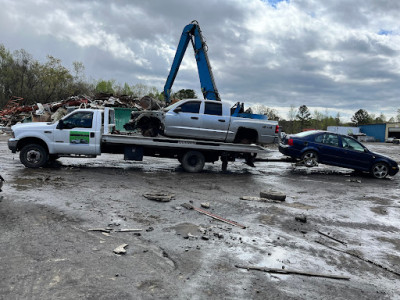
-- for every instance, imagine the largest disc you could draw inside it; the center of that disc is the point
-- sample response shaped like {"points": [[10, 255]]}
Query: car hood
{"points": [[379, 155]]}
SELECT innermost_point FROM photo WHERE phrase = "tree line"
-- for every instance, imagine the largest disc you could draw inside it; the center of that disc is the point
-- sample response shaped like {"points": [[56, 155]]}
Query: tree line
{"points": [[36, 82]]}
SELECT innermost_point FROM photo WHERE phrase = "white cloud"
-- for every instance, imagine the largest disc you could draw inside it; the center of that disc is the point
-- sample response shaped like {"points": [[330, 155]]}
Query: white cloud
{"points": [[341, 55]]}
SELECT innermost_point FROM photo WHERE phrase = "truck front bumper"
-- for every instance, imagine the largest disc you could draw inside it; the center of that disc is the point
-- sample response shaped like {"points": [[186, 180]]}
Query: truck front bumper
{"points": [[12, 145]]}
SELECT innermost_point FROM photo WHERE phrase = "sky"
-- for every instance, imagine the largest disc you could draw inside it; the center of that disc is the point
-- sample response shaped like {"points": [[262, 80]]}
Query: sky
{"points": [[332, 56]]}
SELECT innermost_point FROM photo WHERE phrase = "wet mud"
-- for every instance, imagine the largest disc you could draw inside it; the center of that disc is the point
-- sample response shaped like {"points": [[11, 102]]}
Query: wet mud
{"points": [[48, 251]]}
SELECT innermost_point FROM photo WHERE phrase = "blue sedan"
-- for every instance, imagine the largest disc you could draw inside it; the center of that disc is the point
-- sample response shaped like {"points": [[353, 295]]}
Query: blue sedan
{"points": [[329, 148]]}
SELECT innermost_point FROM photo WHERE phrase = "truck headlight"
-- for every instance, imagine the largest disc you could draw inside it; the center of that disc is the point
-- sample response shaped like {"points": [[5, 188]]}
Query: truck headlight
{"points": [[12, 134]]}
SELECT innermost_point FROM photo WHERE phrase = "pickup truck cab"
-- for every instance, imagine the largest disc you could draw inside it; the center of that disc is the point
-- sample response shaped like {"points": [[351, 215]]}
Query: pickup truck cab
{"points": [[210, 120], [78, 133]]}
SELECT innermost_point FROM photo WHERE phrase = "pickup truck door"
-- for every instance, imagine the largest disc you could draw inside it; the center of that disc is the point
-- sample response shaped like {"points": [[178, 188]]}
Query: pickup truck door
{"points": [[184, 120], [77, 134], [214, 122]]}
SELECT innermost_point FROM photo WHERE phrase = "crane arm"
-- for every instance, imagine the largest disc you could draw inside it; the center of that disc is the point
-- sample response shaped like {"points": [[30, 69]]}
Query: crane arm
{"points": [[193, 34]]}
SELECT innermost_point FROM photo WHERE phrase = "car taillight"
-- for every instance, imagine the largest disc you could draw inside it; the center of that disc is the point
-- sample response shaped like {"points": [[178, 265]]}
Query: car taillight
{"points": [[290, 142], [277, 129]]}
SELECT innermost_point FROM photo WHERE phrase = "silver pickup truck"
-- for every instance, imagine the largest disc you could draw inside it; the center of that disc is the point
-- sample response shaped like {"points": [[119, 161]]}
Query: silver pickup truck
{"points": [[208, 120]]}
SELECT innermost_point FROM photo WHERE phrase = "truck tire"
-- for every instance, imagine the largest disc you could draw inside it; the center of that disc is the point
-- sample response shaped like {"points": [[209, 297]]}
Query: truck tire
{"points": [[33, 156], [193, 161]]}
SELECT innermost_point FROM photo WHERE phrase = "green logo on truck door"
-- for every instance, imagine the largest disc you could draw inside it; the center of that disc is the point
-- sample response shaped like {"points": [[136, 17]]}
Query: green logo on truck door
{"points": [[79, 137]]}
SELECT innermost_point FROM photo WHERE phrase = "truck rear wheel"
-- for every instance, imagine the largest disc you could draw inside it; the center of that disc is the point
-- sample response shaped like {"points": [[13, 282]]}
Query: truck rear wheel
{"points": [[193, 161], [33, 156]]}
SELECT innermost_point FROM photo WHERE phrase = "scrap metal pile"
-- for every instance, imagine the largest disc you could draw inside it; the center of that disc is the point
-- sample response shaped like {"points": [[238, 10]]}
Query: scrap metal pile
{"points": [[14, 111]]}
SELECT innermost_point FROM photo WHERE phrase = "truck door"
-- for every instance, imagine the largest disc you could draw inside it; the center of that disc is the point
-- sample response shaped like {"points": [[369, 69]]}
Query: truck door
{"points": [[184, 120], [214, 124], [77, 134]]}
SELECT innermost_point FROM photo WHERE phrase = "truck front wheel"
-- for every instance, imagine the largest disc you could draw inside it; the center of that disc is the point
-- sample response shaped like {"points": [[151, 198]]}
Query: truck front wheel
{"points": [[193, 161], [33, 156]]}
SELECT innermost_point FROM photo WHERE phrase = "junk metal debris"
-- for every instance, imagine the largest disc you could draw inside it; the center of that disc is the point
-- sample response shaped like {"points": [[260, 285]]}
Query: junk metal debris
{"points": [[294, 272], [189, 206], [17, 111], [162, 197], [332, 238]]}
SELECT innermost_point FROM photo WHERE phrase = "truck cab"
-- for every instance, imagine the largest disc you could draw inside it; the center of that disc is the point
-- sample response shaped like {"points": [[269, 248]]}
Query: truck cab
{"points": [[78, 133]]}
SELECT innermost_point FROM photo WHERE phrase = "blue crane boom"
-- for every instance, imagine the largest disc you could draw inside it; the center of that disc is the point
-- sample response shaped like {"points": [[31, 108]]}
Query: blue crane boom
{"points": [[192, 33]]}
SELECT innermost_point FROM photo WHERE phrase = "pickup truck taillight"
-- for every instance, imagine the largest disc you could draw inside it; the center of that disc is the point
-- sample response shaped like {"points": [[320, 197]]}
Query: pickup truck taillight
{"points": [[277, 129], [290, 142]]}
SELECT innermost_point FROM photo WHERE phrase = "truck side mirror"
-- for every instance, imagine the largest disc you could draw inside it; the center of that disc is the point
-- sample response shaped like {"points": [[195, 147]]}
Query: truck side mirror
{"points": [[178, 110], [60, 125]]}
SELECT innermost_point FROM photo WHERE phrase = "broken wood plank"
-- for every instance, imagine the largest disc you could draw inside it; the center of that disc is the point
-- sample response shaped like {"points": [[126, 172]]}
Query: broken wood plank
{"points": [[294, 272], [332, 238], [189, 206], [251, 198], [107, 230], [360, 257]]}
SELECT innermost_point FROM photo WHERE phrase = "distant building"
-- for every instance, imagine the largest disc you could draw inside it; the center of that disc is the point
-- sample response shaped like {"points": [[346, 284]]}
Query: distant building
{"points": [[381, 132], [344, 130]]}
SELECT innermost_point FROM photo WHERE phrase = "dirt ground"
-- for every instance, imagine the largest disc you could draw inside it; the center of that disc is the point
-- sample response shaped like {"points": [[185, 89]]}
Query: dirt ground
{"points": [[47, 250]]}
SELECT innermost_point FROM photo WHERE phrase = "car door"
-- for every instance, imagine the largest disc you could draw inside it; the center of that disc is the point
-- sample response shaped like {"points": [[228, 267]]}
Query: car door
{"points": [[329, 149], [76, 134], [355, 155], [214, 124], [184, 120]]}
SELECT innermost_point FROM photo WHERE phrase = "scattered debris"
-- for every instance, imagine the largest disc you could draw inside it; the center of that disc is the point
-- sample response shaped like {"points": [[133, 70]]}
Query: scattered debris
{"points": [[205, 204], [273, 195], [359, 257], [301, 218], [128, 230], [159, 196], [107, 230], [332, 238], [15, 111], [189, 206], [120, 249], [1, 182], [294, 272], [353, 180], [251, 198]]}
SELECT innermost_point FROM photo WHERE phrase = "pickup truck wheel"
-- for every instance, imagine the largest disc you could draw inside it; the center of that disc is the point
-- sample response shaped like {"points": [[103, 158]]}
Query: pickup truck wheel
{"points": [[193, 161], [33, 156]]}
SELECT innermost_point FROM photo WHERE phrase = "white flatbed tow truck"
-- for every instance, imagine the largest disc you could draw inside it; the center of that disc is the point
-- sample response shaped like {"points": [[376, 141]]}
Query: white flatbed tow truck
{"points": [[88, 133]]}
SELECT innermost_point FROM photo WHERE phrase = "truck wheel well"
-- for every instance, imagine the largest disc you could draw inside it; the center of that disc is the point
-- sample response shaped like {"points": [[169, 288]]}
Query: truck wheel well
{"points": [[31, 140], [246, 136]]}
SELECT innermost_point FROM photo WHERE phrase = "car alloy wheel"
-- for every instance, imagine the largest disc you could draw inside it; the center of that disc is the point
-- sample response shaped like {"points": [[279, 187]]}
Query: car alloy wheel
{"points": [[380, 170], [310, 159]]}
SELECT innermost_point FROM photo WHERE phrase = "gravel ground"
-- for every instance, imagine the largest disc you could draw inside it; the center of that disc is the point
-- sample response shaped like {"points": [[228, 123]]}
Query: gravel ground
{"points": [[47, 250]]}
